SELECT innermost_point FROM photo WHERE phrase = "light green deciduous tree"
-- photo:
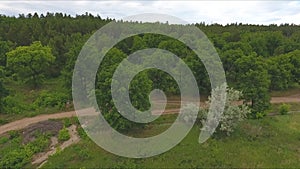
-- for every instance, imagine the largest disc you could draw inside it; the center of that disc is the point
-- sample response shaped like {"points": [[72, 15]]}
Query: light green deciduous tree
{"points": [[30, 62]]}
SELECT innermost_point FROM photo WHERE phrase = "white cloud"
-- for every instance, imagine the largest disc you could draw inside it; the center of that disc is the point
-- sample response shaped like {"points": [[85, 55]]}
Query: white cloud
{"points": [[254, 12]]}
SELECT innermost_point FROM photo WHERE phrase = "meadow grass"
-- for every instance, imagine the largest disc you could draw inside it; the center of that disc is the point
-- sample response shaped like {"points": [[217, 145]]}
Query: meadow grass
{"points": [[270, 142]]}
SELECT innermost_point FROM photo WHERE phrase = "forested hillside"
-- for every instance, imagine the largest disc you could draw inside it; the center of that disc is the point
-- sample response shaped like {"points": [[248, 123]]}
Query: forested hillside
{"points": [[257, 59], [37, 58]]}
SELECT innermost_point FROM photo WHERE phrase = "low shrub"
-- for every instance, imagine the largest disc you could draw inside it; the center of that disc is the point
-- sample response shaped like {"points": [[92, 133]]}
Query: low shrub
{"points": [[82, 134], [15, 159], [63, 135], [284, 109], [259, 115], [39, 144], [55, 99], [22, 155], [12, 105], [67, 122]]}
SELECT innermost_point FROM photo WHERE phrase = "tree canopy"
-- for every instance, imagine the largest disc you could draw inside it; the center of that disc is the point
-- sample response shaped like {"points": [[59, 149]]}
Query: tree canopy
{"points": [[30, 63]]}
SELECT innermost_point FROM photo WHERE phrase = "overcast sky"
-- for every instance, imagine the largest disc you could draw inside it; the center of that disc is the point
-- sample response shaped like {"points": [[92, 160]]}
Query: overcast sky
{"points": [[254, 12]]}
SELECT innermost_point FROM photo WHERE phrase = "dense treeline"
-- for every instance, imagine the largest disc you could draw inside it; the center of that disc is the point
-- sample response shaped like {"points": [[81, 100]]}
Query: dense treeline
{"points": [[54, 30], [256, 59]]}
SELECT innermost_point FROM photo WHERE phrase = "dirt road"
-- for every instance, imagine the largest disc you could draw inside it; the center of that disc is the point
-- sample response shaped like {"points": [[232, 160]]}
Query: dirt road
{"points": [[20, 124], [289, 99]]}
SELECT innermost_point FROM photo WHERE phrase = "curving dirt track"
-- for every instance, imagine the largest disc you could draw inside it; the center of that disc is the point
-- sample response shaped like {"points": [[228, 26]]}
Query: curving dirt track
{"points": [[20, 124]]}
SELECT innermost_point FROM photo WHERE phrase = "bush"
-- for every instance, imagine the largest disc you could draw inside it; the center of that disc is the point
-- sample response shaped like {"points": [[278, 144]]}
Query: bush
{"points": [[63, 135], [82, 134], [13, 105], [83, 152], [232, 114], [259, 115], [47, 99], [39, 144], [14, 159], [22, 155], [67, 122], [284, 109]]}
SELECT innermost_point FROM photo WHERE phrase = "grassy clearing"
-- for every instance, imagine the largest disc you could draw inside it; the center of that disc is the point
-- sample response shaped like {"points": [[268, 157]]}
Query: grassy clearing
{"points": [[269, 142], [22, 98]]}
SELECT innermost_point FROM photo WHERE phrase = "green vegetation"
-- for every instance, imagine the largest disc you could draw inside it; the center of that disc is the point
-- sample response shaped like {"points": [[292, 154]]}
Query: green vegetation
{"points": [[23, 101], [63, 135], [3, 91], [38, 54], [255, 82], [16, 155], [294, 107], [270, 142], [284, 109], [256, 59], [30, 62], [288, 92], [48, 99]]}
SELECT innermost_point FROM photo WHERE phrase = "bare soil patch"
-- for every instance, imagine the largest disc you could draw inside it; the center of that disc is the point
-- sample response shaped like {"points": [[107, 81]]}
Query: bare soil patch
{"points": [[49, 126]]}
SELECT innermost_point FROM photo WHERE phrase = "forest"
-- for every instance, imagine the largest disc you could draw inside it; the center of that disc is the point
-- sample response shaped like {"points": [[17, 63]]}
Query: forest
{"points": [[256, 59], [38, 54]]}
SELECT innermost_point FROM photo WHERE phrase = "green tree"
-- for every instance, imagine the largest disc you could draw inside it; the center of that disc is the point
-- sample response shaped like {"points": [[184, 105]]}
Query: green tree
{"points": [[138, 90], [280, 68], [295, 61], [5, 47], [174, 46], [74, 44], [3, 91], [138, 44], [257, 42], [254, 81], [273, 41], [30, 62], [244, 47], [228, 58], [199, 71]]}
